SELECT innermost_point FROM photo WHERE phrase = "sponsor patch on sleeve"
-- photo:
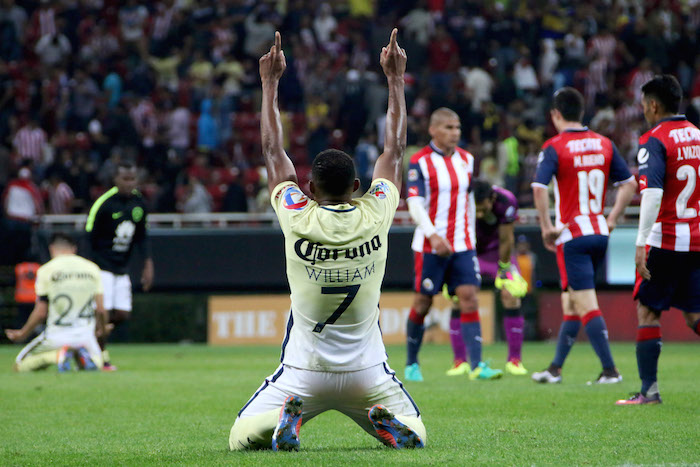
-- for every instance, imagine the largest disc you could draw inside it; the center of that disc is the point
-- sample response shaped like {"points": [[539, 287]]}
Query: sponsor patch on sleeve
{"points": [[412, 175], [642, 182], [294, 199], [412, 191], [380, 190]]}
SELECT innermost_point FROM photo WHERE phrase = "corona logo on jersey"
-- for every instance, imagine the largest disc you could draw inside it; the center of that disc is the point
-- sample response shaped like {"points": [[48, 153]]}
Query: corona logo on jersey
{"points": [[380, 190], [314, 251], [294, 199]]}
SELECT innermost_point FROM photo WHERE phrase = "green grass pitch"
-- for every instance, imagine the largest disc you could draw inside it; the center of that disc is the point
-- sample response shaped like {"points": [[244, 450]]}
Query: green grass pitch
{"points": [[171, 404]]}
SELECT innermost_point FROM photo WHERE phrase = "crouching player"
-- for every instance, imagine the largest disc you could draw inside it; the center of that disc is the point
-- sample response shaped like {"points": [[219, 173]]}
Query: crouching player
{"points": [[69, 299], [496, 213]]}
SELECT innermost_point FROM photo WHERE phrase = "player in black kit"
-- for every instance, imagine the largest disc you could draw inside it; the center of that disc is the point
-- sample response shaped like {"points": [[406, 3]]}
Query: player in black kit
{"points": [[117, 223]]}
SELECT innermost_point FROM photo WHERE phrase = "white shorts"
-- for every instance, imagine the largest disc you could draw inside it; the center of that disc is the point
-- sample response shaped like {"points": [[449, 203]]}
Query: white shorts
{"points": [[351, 393], [117, 291], [56, 340]]}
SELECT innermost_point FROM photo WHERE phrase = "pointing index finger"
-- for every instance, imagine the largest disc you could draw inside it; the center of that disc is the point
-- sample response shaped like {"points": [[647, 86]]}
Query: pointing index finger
{"points": [[278, 42]]}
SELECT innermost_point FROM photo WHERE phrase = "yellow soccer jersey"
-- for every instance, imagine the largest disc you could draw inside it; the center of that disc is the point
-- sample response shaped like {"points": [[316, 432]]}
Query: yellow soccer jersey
{"points": [[69, 283], [336, 257]]}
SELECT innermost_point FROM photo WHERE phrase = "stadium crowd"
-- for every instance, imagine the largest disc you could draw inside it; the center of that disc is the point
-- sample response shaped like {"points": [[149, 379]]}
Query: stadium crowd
{"points": [[175, 85]]}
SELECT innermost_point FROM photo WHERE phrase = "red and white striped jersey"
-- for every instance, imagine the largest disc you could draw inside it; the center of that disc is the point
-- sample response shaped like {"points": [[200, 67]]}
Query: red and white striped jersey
{"points": [[669, 158], [580, 162], [444, 182], [29, 143]]}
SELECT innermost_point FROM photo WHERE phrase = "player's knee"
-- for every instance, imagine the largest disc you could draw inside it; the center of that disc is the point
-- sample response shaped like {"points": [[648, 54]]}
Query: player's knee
{"points": [[647, 316], [691, 319], [422, 303], [508, 300]]}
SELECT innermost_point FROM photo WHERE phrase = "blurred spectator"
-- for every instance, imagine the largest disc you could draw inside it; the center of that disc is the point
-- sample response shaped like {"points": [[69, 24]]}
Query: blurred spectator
{"points": [[22, 200], [60, 195], [132, 20], [195, 198], [207, 132], [30, 144], [324, 24], [53, 49]]}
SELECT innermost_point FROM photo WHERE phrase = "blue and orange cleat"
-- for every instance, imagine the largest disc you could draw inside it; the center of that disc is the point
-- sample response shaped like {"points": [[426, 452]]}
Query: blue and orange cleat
{"points": [[286, 434], [392, 432], [63, 359], [640, 399], [84, 360]]}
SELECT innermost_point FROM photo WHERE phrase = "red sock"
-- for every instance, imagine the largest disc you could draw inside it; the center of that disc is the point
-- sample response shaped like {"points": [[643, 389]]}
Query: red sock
{"points": [[646, 333], [471, 317], [415, 317], [590, 315]]}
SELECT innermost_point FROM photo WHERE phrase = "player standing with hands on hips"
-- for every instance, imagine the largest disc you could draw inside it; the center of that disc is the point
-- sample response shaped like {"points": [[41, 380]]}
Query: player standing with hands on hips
{"points": [[333, 357], [580, 163], [668, 242]]}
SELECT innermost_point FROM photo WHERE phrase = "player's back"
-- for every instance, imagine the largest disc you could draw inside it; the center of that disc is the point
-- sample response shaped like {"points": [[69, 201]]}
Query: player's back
{"points": [[69, 283], [582, 162], [669, 158], [336, 258]]}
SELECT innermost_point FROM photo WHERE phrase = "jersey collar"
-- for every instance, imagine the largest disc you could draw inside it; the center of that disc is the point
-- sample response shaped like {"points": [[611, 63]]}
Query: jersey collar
{"points": [[576, 130], [674, 118], [435, 148]]}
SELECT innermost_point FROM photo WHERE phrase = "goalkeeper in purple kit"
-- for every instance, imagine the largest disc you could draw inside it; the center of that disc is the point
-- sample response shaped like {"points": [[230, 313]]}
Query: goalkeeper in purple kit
{"points": [[496, 213]]}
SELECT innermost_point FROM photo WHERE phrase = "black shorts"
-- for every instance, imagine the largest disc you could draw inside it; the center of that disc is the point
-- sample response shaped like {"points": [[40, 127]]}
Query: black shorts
{"points": [[675, 281]]}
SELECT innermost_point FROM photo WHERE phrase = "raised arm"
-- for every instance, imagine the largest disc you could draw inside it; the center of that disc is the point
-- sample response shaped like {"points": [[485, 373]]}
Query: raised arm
{"points": [[390, 164], [279, 166]]}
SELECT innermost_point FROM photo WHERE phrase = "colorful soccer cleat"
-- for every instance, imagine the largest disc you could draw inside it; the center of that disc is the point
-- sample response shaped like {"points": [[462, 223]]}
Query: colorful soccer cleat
{"points": [[608, 377], [547, 376], [63, 359], [84, 360], [459, 368], [286, 434], [515, 367], [108, 367], [483, 371], [392, 432], [640, 399], [413, 373]]}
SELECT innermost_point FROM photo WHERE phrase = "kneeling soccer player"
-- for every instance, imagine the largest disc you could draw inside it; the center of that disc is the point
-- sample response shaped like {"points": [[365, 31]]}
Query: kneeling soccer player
{"points": [[69, 292], [333, 357]]}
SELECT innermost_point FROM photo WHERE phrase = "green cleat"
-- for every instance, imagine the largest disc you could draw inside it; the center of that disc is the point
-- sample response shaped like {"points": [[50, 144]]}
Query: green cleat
{"points": [[458, 369], [483, 371], [515, 367], [412, 373]]}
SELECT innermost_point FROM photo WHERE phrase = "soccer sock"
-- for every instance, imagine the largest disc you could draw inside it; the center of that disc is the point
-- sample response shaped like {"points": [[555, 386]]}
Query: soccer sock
{"points": [[696, 327], [37, 362], [598, 335], [414, 336], [253, 432], [471, 333], [458, 348], [648, 351], [513, 324], [567, 337]]}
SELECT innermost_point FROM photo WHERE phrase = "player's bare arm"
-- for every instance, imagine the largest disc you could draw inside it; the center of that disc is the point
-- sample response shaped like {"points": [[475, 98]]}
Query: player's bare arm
{"points": [[506, 242], [147, 275], [38, 316], [279, 166], [390, 164], [549, 232], [101, 316], [625, 193]]}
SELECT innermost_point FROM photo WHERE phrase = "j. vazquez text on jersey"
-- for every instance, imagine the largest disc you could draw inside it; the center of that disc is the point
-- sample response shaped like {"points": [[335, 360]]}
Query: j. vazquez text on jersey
{"points": [[313, 251]]}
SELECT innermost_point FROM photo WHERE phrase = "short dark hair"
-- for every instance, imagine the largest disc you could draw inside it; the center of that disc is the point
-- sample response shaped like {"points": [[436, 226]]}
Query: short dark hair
{"points": [[126, 163], [666, 90], [333, 172], [569, 102], [482, 190], [62, 238]]}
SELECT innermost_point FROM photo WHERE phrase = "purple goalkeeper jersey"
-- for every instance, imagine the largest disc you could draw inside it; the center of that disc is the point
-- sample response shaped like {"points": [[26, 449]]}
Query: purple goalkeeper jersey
{"points": [[505, 211]]}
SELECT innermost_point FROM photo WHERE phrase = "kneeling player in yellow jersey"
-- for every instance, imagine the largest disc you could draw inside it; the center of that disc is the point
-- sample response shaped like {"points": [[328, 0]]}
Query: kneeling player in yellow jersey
{"points": [[333, 356], [69, 299]]}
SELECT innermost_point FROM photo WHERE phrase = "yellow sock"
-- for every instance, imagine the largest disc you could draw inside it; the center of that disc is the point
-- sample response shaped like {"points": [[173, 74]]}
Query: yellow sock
{"points": [[37, 362], [253, 432]]}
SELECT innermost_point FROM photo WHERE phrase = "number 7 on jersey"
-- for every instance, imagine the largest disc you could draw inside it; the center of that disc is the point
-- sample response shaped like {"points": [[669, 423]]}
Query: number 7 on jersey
{"points": [[350, 290]]}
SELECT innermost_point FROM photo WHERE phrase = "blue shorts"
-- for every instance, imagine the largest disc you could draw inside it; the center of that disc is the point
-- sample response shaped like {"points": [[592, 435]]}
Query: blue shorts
{"points": [[578, 259], [432, 271], [675, 281]]}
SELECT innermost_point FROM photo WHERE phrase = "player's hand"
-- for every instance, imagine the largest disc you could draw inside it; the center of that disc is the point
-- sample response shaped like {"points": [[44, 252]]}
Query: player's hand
{"points": [[440, 245], [550, 235], [640, 260], [273, 63], [509, 278], [15, 335], [612, 223], [393, 58]]}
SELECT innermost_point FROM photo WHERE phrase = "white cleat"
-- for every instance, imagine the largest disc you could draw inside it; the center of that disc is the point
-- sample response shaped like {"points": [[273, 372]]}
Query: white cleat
{"points": [[546, 377]]}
